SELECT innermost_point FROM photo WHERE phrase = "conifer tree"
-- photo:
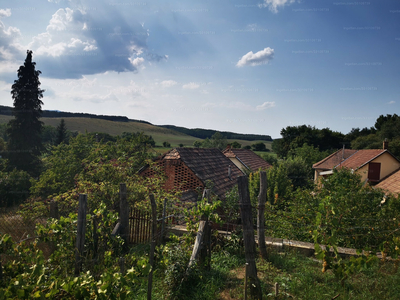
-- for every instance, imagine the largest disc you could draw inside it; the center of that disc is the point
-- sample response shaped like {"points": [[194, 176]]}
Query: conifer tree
{"points": [[24, 131], [61, 132]]}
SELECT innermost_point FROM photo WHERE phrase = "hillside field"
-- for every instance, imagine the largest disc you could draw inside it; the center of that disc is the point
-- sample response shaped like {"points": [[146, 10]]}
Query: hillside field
{"points": [[159, 134]]}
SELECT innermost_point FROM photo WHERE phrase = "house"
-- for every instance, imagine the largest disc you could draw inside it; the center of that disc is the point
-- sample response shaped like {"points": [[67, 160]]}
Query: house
{"points": [[190, 168], [372, 164], [391, 184], [245, 159]]}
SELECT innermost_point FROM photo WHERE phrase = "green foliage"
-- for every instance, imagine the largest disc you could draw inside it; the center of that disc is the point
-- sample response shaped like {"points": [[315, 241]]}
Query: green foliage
{"points": [[197, 144], [217, 141], [260, 146], [166, 144], [270, 158], [236, 145], [14, 187], [279, 185], [81, 154], [296, 136], [24, 131], [61, 132], [371, 141], [28, 275], [298, 171]]}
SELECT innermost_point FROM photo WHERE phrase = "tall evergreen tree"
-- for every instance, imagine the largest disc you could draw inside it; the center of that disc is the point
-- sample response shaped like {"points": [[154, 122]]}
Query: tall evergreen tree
{"points": [[61, 132], [24, 131]]}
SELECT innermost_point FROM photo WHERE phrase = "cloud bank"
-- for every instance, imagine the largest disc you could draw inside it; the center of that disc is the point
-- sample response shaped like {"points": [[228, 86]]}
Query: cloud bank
{"points": [[273, 5], [254, 59]]}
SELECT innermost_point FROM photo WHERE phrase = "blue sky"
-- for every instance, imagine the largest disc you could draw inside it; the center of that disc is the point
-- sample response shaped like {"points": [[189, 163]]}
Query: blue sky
{"points": [[242, 66]]}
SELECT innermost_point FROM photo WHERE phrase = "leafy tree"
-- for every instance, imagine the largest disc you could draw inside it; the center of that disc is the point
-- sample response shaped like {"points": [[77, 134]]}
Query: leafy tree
{"points": [[371, 141], [260, 146], [197, 144], [296, 136], [14, 187], [49, 134], [61, 132], [247, 147], [236, 145], [298, 171], [166, 144], [270, 158], [24, 131]]}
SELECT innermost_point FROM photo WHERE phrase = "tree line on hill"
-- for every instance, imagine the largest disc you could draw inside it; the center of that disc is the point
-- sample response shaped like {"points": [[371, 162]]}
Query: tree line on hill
{"points": [[208, 133], [8, 111]]}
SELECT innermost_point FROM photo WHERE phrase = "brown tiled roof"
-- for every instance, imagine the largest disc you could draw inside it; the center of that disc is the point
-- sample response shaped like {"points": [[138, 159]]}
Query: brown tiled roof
{"points": [[334, 159], [208, 164], [360, 158], [251, 160], [391, 183]]}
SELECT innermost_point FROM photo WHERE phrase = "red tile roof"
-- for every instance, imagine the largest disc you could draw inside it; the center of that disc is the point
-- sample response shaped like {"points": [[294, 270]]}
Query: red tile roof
{"points": [[391, 183], [353, 159], [247, 157], [360, 158], [334, 159], [208, 164]]}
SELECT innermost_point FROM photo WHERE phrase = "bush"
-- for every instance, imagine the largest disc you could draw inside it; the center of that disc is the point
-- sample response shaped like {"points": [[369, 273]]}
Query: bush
{"points": [[14, 187]]}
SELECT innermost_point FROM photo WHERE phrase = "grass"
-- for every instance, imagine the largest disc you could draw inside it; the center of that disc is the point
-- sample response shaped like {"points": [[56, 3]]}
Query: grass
{"points": [[299, 277], [159, 134]]}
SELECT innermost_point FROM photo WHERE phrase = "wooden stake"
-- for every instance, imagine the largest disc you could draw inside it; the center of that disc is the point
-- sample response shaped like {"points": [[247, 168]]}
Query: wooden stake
{"points": [[262, 198], [248, 236], [80, 234], [153, 244], [124, 215]]}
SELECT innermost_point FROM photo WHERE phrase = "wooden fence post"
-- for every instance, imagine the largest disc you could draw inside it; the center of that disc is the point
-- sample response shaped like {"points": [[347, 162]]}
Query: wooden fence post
{"points": [[153, 244], [80, 234], [54, 209], [201, 246], [163, 220], [95, 237], [262, 198], [124, 215], [248, 236]]}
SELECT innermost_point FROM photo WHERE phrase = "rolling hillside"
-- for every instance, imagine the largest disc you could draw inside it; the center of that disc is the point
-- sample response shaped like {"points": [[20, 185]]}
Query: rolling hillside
{"points": [[93, 123]]}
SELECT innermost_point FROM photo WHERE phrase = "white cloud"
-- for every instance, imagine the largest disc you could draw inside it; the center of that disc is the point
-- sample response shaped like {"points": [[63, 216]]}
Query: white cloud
{"points": [[137, 62], [265, 105], [255, 59], [5, 13], [191, 86], [392, 102], [86, 42], [273, 5], [168, 83], [10, 48]]}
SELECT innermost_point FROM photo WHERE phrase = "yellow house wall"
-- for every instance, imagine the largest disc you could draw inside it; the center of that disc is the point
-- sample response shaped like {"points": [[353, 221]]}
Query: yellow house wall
{"points": [[238, 163], [388, 165]]}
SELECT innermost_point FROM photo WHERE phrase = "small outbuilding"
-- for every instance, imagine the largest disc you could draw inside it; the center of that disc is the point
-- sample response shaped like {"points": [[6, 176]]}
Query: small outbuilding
{"points": [[188, 169]]}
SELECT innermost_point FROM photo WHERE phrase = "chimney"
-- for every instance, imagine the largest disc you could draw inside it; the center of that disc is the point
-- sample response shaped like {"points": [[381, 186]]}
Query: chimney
{"points": [[230, 172], [385, 144]]}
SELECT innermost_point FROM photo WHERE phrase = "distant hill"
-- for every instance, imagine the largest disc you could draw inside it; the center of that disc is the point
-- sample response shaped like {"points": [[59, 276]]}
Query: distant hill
{"points": [[208, 133], [80, 122], [6, 110]]}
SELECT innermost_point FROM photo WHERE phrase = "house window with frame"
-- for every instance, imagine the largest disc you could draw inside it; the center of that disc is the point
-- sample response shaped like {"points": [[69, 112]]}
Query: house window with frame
{"points": [[374, 171]]}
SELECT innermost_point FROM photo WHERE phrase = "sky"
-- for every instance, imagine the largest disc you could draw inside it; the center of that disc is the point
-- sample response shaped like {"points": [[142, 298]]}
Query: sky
{"points": [[231, 65]]}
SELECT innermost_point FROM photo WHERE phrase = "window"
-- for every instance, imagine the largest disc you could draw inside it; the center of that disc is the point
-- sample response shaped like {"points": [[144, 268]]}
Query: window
{"points": [[374, 171]]}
